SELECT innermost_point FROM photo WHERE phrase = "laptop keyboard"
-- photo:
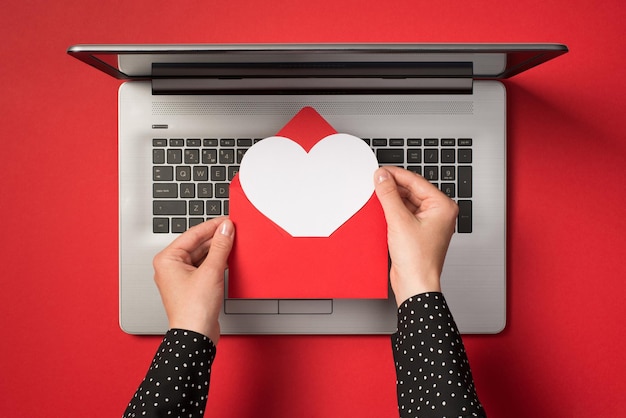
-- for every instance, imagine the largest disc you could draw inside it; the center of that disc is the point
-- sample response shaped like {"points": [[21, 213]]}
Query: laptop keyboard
{"points": [[191, 176]]}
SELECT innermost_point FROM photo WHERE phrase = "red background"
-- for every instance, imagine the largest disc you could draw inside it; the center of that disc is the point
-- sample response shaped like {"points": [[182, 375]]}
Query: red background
{"points": [[62, 352]]}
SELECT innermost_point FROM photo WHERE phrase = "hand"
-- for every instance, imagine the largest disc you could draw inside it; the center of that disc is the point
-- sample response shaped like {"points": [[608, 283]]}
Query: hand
{"points": [[190, 276], [420, 224]]}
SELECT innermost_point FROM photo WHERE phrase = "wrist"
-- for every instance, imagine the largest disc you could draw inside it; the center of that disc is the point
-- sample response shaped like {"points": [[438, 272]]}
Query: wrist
{"points": [[210, 331], [405, 287]]}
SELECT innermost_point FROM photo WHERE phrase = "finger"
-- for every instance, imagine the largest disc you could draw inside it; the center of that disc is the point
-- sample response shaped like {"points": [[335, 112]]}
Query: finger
{"points": [[194, 237], [389, 195], [198, 255], [221, 244], [406, 199], [417, 187], [421, 193]]}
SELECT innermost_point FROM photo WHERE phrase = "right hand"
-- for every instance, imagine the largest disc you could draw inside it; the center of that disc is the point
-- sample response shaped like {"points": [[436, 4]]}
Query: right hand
{"points": [[420, 224]]}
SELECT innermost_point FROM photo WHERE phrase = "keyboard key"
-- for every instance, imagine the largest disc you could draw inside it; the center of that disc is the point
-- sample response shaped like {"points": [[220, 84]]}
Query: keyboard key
{"points": [[465, 142], [447, 142], [174, 156], [396, 142], [169, 207], [179, 225], [244, 142], [160, 225], [227, 156], [218, 173], [464, 225], [379, 142], [465, 181], [221, 190], [210, 142], [447, 173], [449, 189], [164, 190], [431, 142], [431, 155], [448, 155], [431, 173], [196, 207], [183, 173], [465, 155], [187, 190], [209, 156], [414, 156], [177, 142], [194, 142], [205, 190], [390, 156], [232, 171], [163, 173], [414, 142], [158, 156], [159, 142], [227, 142], [213, 207], [192, 156], [240, 154], [200, 173]]}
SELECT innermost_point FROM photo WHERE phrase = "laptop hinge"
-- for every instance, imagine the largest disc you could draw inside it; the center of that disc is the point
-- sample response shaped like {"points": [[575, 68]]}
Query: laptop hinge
{"points": [[313, 78]]}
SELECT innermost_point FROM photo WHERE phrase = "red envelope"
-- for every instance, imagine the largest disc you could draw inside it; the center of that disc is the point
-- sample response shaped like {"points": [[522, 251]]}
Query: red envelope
{"points": [[268, 263]]}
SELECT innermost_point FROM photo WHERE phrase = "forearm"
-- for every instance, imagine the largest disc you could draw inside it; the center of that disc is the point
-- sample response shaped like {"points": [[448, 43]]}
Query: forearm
{"points": [[433, 374], [178, 378]]}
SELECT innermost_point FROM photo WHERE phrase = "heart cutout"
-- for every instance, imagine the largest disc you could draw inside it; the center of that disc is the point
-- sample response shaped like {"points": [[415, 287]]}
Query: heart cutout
{"points": [[309, 194]]}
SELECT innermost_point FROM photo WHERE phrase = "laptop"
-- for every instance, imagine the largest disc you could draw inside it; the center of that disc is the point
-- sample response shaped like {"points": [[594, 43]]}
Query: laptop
{"points": [[188, 113]]}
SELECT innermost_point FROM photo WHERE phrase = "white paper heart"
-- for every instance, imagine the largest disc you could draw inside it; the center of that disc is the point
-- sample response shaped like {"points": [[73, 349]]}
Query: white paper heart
{"points": [[309, 194]]}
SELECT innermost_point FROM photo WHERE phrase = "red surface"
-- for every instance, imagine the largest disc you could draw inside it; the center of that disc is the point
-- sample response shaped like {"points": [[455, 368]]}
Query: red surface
{"points": [[358, 248], [62, 352]]}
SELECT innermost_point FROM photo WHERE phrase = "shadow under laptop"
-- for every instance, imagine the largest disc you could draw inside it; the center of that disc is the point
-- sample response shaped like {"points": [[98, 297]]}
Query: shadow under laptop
{"points": [[527, 368]]}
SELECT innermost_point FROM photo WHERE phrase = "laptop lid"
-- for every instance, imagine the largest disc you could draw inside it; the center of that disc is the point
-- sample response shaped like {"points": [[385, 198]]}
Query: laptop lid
{"points": [[262, 68]]}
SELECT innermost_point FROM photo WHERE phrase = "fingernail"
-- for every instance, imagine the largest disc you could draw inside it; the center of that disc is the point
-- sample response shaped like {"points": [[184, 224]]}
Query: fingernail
{"points": [[382, 175], [227, 228]]}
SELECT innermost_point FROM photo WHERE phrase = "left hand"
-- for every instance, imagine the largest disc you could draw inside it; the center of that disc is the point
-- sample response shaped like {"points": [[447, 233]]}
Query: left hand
{"points": [[190, 276]]}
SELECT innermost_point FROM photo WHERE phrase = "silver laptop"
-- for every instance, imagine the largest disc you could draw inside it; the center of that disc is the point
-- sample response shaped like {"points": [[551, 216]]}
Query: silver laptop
{"points": [[187, 114]]}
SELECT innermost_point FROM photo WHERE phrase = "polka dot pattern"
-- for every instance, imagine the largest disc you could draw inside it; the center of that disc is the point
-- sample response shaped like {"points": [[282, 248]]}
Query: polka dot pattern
{"points": [[433, 373], [177, 383]]}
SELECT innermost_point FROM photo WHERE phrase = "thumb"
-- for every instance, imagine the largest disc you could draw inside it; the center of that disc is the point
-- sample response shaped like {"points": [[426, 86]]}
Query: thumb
{"points": [[388, 194], [221, 244]]}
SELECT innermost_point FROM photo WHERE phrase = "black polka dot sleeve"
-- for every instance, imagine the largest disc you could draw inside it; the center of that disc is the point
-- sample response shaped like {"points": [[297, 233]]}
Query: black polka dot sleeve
{"points": [[177, 383], [433, 374]]}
